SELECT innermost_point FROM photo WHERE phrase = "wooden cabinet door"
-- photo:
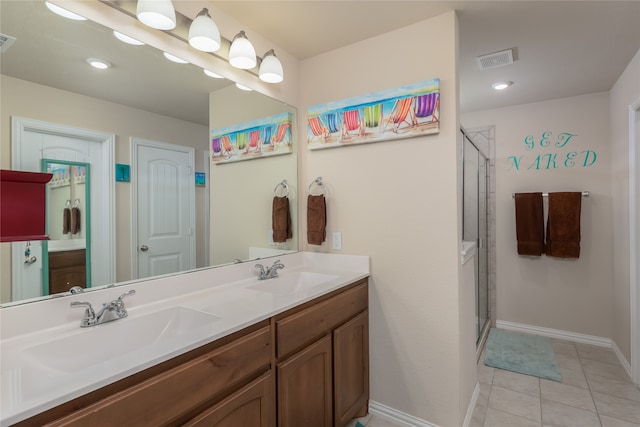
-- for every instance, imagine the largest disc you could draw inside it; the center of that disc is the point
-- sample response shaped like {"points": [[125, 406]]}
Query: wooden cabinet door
{"points": [[351, 369], [305, 387], [251, 406], [67, 269], [170, 396]]}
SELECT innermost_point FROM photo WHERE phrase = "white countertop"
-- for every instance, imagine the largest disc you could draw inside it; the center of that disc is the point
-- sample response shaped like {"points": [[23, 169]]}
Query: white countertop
{"points": [[29, 387]]}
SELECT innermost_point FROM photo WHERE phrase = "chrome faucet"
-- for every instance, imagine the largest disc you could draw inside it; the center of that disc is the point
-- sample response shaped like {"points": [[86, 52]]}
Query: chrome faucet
{"points": [[113, 310], [270, 272]]}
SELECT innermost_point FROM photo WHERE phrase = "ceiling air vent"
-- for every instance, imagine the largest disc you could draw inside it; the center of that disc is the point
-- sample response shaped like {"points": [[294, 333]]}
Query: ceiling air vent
{"points": [[5, 42], [496, 59]]}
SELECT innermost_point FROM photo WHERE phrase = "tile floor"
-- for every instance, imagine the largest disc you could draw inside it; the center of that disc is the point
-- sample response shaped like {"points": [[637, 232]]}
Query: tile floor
{"points": [[595, 391]]}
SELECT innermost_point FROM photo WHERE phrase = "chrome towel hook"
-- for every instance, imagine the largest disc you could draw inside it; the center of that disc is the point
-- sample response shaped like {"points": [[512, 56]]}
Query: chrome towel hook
{"points": [[281, 184], [318, 181]]}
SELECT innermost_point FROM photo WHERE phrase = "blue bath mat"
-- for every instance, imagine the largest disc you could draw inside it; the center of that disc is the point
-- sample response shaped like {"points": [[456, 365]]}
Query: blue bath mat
{"points": [[526, 354]]}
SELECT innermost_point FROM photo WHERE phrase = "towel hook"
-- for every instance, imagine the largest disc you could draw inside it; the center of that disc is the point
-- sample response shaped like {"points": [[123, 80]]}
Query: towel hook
{"points": [[284, 185], [76, 203], [318, 181], [67, 204]]}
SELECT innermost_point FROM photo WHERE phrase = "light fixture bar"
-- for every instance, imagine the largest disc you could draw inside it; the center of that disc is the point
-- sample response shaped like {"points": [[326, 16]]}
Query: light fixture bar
{"points": [[180, 31]]}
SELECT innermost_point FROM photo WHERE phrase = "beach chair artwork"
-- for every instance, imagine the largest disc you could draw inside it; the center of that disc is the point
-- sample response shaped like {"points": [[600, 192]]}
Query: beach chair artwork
{"points": [[403, 112], [270, 136]]}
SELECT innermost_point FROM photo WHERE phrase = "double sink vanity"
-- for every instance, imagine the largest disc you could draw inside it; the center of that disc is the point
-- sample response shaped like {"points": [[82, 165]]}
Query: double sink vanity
{"points": [[214, 347]]}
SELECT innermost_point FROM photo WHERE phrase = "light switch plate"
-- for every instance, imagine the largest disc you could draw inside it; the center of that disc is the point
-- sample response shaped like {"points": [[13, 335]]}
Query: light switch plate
{"points": [[336, 242]]}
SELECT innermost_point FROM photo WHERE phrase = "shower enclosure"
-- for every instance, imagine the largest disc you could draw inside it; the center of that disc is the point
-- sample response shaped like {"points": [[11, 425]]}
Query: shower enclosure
{"points": [[475, 223]]}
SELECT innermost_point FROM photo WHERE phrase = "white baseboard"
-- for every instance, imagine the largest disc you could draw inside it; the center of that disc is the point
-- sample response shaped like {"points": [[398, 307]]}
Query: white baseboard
{"points": [[626, 365], [396, 417], [472, 405], [568, 336], [406, 420], [555, 333]]}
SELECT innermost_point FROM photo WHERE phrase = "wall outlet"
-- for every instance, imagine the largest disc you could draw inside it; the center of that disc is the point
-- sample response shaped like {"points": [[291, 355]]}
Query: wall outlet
{"points": [[270, 238], [336, 241]]}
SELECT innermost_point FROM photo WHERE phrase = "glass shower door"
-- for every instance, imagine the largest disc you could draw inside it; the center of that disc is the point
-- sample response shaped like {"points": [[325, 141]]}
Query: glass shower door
{"points": [[483, 245], [475, 224]]}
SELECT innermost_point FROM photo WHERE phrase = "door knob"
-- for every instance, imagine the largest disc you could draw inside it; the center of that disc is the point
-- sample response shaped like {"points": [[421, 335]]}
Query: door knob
{"points": [[144, 248]]}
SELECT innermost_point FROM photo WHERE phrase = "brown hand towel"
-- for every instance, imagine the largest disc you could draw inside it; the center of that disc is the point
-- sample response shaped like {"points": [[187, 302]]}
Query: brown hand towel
{"points": [[563, 225], [66, 220], [529, 224], [281, 220], [75, 220], [316, 219]]}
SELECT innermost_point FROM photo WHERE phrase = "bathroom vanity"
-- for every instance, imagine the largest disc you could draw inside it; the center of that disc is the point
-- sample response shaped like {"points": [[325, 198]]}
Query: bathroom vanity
{"points": [[287, 351]]}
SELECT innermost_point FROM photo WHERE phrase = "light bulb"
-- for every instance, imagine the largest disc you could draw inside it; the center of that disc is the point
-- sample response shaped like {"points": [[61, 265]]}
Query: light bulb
{"points": [[271, 68], [501, 85], [203, 33], [126, 39], [242, 54], [243, 87], [212, 74], [158, 14], [174, 58], [64, 12], [100, 64]]}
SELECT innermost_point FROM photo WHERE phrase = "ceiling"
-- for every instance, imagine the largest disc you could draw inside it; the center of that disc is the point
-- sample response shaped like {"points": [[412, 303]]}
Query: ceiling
{"points": [[563, 48]]}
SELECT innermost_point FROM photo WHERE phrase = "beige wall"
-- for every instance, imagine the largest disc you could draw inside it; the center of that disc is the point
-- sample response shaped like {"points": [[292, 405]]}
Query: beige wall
{"points": [[24, 99], [624, 93], [568, 295], [399, 202]]}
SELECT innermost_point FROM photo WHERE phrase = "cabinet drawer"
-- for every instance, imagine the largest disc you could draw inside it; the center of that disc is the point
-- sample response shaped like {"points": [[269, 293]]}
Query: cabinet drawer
{"points": [[299, 329], [163, 399], [251, 406]]}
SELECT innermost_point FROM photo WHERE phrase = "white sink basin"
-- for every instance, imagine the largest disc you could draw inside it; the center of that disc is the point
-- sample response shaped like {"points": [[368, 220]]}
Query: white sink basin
{"points": [[292, 283], [118, 339]]}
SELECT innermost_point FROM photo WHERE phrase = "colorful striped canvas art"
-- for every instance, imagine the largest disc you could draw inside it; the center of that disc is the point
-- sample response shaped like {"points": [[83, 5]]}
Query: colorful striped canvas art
{"points": [[270, 136], [404, 112]]}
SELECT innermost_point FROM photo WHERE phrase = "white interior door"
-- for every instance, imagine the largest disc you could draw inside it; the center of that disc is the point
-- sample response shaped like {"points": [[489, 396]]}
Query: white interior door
{"points": [[33, 140], [165, 208]]}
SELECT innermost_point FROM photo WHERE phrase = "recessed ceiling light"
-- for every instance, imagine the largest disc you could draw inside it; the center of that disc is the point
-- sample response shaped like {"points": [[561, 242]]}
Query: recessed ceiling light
{"points": [[64, 12], [212, 74], [100, 64], [243, 87], [501, 85], [174, 58], [126, 39]]}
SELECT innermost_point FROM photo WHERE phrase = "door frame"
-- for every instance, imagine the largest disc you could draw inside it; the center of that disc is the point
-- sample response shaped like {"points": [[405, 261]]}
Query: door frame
{"points": [[634, 236], [141, 142], [207, 206], [104, 205]]}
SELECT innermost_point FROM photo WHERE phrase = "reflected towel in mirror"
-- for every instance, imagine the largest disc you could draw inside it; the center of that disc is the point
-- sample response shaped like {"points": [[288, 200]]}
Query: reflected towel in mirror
{"points": [[281, 220], [75, 220], [66, 220]]}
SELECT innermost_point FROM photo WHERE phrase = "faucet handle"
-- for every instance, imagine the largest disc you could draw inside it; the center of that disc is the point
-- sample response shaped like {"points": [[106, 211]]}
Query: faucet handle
{"points": [[89, 314], [81, 304], [131, 292]]}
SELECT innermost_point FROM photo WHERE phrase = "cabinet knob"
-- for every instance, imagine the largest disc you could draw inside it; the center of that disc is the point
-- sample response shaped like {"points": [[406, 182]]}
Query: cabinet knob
{"points": [[144, 248]]}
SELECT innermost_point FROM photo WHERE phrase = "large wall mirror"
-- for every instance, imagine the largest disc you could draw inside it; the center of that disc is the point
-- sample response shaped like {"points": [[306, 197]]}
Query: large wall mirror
{"points": [[143, 100]]}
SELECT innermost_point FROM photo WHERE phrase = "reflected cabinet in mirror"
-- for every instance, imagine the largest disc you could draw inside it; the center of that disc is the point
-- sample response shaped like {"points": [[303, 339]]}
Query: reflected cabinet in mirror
{"points": [[146, 115]]}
